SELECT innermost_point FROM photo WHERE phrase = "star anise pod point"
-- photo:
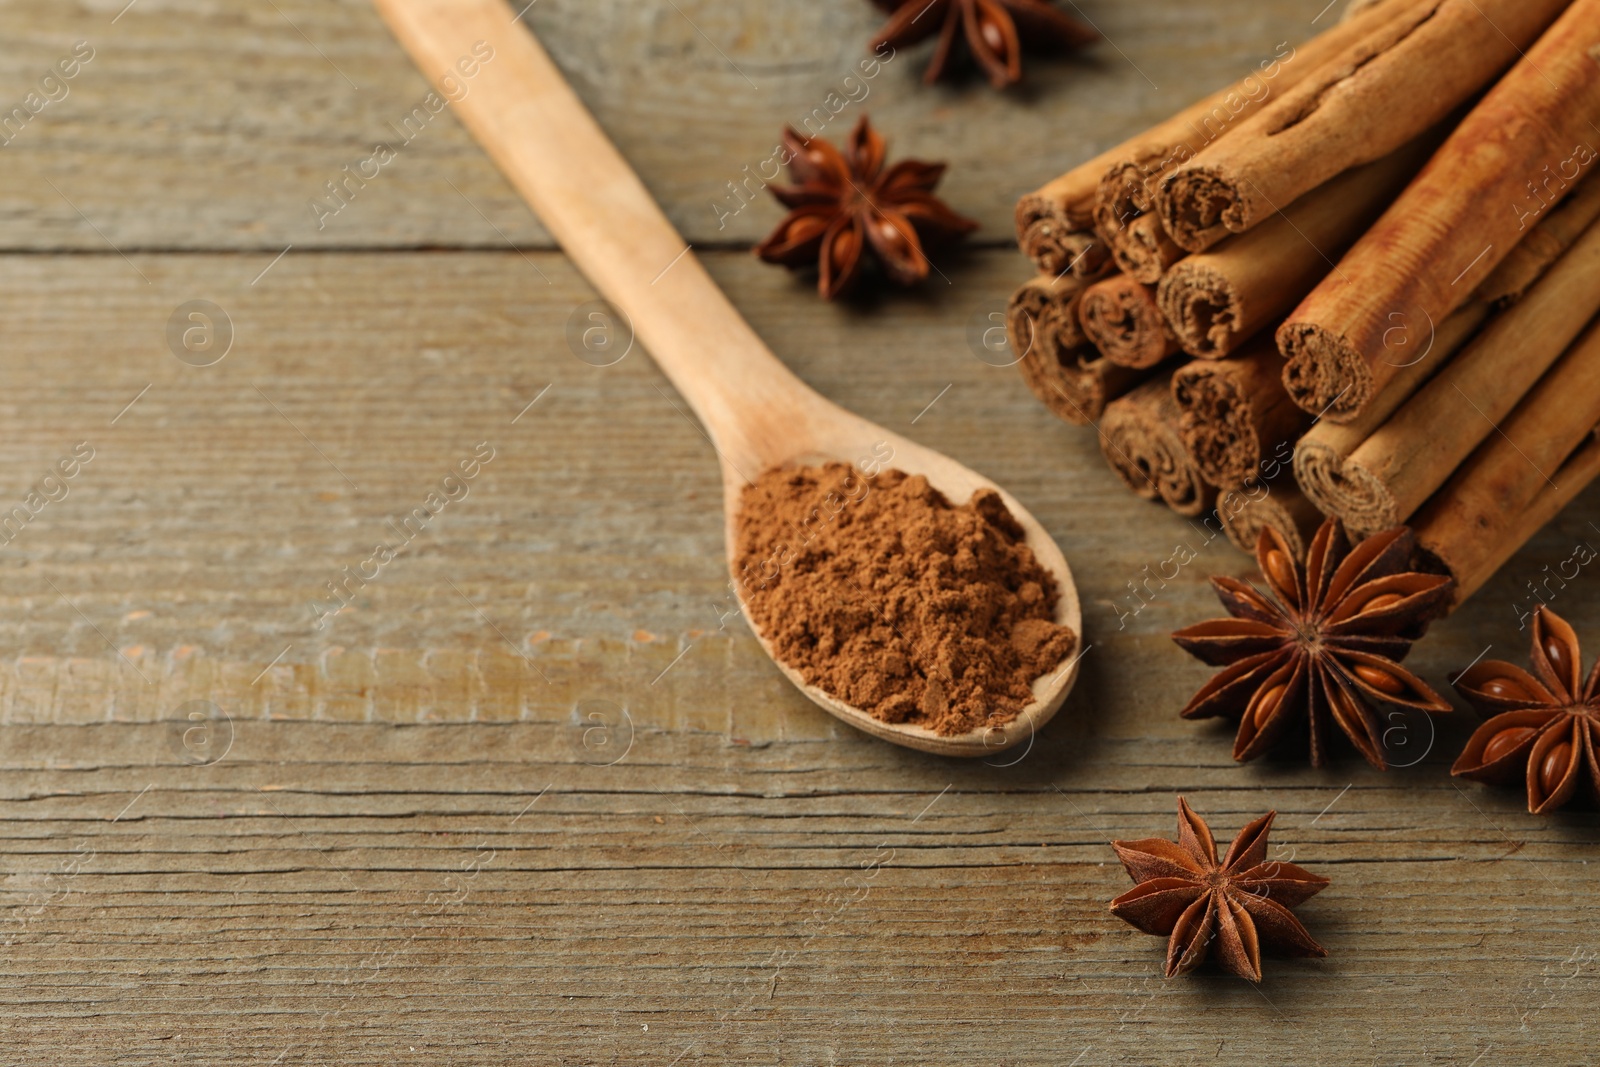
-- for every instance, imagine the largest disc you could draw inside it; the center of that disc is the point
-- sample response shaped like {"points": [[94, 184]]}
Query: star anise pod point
{"points": [[1237, 906], [1327, 639], [1545, 726]]}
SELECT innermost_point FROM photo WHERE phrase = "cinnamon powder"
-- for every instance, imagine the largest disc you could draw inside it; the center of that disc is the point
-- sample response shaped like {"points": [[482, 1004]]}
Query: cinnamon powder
{"points": [[884, 594]]}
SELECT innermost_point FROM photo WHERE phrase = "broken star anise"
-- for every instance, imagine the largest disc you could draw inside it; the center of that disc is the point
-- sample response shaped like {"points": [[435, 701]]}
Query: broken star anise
{"points": [[1329, 639], [995, 32], [1240, 905], [1547, 728], [846, 203]]}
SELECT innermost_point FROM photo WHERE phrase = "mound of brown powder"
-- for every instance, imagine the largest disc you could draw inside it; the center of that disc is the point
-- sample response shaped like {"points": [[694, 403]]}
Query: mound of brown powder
{"points": [[884, 594]]}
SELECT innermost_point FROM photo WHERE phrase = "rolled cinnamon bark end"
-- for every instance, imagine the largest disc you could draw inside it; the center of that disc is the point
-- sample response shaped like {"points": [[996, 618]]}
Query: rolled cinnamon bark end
{"points": [[1139, 438], [1326, 374], [1233, 413], [1144, 251], [1472, 572], [1199, 206], [1055, 248], [1321, 453], [1405, 461], [1044, 311], [1121, 196], [1319, 466], [1203, 307], [1407, 74], [1069, 200], [1076, 385], [1356, 496], [1280, 504], [1121, 318], [1139, 244], [1322, 456], [1066, 373], [1459, 219], [1219, 299], [1469, 524]]}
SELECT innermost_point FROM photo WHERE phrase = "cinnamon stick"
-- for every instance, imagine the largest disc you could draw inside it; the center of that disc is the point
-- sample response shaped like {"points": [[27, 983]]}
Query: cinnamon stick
{"points": [[1059, 366], [1462, 215], [1144, 251], [1139, 438], [1055, 221], [1139, 243], [1402, 78], [1320, 455], [1217, 300], [1474, 566], [1557, 231], [1480, 510], [1246, 511], [1234, 412], [1056, 248], [1045, 308], [1412, 454], [1121, 318]]}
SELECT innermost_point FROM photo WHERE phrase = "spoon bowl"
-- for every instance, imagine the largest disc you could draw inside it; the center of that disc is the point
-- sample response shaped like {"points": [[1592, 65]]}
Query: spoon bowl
{"points": [[757, 414], [839, 436]]}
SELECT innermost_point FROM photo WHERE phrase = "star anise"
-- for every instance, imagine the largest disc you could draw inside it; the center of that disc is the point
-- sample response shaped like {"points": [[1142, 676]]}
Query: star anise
{"points": [[1241, 904], [846, 203], [995, 32], [1329, 639], [1547, 728]]}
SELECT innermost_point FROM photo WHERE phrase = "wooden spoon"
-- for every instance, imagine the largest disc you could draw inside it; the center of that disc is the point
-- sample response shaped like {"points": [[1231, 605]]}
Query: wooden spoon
{"points": [[502, 84]]}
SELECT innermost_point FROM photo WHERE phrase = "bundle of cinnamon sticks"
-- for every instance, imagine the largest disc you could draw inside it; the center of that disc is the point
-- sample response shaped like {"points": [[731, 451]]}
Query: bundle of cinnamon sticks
{"points": [[1364, 281]]}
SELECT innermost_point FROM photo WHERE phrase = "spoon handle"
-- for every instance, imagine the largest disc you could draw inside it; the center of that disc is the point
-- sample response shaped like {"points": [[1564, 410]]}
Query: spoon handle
{"points": [[523, 112]]}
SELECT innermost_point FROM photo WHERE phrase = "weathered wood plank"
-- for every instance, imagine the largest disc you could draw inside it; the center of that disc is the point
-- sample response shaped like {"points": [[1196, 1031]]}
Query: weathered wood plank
{"points": [[723, 875], [335, 893], [221, 501], [199, 125]]}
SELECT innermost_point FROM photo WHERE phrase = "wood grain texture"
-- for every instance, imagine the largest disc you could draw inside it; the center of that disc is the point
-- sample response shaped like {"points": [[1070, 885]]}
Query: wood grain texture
{"points": [[535, 797], [289, 881], [212, 125]]}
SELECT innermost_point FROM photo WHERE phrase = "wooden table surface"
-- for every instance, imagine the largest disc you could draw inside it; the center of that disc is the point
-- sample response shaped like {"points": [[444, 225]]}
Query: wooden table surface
{"points": [[534, 797]]}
